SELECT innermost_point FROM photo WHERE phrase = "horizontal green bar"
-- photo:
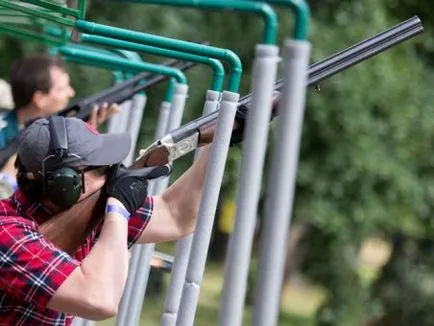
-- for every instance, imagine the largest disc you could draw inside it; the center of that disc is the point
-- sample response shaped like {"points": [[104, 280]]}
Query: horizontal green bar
{"points": [[301, 11], [27, 35], [164, 42], [261, 8], [217, 67], [37, 12], [122, 64], [54, 7], [62, 9], [16, 20]]}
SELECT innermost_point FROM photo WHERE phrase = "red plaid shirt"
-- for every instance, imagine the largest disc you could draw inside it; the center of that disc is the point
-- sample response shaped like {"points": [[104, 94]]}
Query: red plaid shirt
{"points": [[32, 268]]}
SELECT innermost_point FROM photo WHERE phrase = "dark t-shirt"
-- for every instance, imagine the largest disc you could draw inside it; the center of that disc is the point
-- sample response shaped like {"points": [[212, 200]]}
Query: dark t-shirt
{"points": [[8, 127]]}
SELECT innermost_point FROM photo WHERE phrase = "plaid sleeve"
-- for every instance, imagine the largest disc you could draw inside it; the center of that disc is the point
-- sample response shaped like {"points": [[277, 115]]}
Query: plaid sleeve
{"points": [[139, 221], [32, 269]]}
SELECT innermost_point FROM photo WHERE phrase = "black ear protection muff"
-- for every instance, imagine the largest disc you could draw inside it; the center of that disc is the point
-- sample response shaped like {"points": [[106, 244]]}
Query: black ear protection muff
{"points": [[62, 185]]}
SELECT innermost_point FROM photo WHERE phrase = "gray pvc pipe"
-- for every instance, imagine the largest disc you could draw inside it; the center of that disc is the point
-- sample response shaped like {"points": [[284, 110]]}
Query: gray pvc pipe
{"points": [[132, 112], [183, 247], [143, 268], [124, 115], [163, 119], [130, 120], [282, 184], [207, 209], [118, 122], [162, 122], [134, 123], [249, 187], [129, 287]]}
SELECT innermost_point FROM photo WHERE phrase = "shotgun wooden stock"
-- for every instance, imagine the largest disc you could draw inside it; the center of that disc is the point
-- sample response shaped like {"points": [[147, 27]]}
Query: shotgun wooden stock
{"points": [[68, 229]]}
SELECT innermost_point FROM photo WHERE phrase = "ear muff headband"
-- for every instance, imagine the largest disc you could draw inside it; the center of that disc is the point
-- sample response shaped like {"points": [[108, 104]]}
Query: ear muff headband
{"points": [[62, 185]]}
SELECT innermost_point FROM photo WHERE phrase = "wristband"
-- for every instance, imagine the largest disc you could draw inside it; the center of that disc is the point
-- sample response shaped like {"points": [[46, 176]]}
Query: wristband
{"points": [[11, 181], [119, 210]]}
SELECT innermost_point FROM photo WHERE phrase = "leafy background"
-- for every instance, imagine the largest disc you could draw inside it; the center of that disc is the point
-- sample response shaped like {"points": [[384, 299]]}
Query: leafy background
{"points": [[366, 162]]}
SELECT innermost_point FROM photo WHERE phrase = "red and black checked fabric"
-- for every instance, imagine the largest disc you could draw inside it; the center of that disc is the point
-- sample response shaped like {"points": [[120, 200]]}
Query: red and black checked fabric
{"points": [[32, 268]]}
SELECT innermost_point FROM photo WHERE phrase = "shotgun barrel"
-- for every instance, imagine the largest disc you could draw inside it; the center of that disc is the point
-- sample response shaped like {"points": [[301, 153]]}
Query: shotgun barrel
{"points": [[327, 67], [362, 51], [122, 91], [128, 84]]}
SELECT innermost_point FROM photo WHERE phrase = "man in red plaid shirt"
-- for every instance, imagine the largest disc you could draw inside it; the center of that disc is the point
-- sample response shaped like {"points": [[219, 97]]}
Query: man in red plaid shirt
{"points": [[43, 285]]}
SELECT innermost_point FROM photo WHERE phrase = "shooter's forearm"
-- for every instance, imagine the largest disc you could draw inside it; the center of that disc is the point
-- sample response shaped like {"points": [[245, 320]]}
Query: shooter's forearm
{"points": [[185, 194]]}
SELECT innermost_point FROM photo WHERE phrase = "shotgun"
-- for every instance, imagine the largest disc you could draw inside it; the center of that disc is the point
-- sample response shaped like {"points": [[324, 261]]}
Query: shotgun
{"points": [[115, 94], [68, 229], [122, 91]]}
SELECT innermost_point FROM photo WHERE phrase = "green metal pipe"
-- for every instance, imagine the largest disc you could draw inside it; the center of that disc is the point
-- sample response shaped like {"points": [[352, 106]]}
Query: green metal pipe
{"points": [[28, 35], [116, 45], [38, 13], [165, 42], [170, 91], [53, 31], [126, 55], [117, 74], [133, 56], [64, 10], [82, 9], [266, 11], [302, 16], [217, 67], [82, 61], [90, 50], [109, 62]]}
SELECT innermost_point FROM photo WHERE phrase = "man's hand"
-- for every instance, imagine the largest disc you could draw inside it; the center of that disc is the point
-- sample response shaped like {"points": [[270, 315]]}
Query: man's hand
{"points": [[100, 113], [9, 167], [130, 190], [8, 181], [130, 186]]}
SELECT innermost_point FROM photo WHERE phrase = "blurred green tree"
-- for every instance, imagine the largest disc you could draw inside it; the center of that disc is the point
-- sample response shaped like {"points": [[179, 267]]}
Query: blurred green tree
{"points": [[366, 163]]}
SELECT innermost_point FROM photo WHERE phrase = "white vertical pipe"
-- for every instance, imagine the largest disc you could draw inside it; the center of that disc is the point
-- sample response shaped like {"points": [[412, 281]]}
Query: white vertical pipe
{"points": [[249, 187], [282, 183], [162, 121], [183, 247], [207, 209], [117, 122], [144, 262], [134, 123]]}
